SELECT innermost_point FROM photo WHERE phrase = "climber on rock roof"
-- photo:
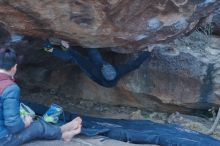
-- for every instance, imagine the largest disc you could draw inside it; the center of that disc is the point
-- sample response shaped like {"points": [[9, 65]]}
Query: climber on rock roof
{"points": [[93, 65]]}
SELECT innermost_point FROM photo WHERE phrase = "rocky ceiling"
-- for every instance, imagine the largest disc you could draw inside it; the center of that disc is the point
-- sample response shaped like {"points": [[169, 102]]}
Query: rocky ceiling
{"points": [[123, 25]]}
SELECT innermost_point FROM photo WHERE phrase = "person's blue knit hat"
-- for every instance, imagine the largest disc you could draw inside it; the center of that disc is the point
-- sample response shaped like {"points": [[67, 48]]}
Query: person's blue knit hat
{"points": [[108, 72]]}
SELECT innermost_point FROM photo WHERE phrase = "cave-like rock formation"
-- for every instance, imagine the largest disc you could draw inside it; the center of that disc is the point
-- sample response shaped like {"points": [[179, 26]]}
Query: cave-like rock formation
{"points": [[182, 75], [126, 24]]}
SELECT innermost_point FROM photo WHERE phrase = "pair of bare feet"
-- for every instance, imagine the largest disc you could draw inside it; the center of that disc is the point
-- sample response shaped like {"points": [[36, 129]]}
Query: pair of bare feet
{"points": [[70, 129]]}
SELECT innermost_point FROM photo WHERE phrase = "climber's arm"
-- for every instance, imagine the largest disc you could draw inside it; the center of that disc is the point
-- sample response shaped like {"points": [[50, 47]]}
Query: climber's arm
{"points": [[57, 52]]}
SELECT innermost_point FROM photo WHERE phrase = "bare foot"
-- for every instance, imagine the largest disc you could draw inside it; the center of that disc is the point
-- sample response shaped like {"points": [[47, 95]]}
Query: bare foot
{"points": [[68, 135], [72, 125]]}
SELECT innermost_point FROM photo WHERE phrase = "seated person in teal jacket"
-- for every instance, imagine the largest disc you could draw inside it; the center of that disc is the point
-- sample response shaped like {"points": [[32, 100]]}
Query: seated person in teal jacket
{"points": [[14, 130], [94, 66]]}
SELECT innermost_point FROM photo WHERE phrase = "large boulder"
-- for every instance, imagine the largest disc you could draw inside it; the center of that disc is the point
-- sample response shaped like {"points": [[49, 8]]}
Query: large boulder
{"points": [[181, 76], [125, 24]]}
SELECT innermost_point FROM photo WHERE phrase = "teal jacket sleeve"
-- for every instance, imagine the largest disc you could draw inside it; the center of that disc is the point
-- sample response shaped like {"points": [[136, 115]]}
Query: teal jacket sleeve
{"points": [[11, 109]]}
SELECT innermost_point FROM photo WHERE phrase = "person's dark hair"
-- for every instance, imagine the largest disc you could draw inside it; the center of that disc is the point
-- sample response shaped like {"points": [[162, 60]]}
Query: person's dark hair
{"points": [[8, 58]]}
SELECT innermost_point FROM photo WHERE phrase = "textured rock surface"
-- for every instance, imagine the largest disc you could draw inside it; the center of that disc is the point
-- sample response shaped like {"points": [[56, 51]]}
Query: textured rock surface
{"points": [[214, 19], [181, 75], [105, 23]]}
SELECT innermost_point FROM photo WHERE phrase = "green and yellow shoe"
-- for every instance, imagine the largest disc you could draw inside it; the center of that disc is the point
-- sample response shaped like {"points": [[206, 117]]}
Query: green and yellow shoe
{"points": [[53, 113]]}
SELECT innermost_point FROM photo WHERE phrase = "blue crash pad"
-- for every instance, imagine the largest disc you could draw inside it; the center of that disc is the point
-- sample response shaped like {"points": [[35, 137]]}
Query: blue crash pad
{"points": [[137, 131]]}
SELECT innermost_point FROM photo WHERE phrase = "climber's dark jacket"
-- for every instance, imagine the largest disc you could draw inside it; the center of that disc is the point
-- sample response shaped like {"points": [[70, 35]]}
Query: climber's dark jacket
{"points": [[91, 65]]}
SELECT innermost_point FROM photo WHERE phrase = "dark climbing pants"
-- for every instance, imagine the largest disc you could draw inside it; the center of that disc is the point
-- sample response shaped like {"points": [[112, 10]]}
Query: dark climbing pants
{"points": [[37, 130], [91, 65]]}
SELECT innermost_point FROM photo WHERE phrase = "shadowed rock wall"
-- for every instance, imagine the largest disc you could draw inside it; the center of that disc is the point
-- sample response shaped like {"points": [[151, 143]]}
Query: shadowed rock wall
{"points": [[178, 77]]}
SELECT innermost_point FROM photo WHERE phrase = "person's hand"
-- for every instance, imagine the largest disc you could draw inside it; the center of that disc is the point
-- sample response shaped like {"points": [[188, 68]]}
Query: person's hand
{"points": [[50, 50], [65, 44], [48, 47], [27, 120]]}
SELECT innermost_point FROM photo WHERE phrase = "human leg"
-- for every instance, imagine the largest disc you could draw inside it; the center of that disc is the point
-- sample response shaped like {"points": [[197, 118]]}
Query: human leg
{"points": [[95, 56], [91, 69], [68, 135], [72, 125], [42, 130], [70, 129], [108, 70], [123, 69], [37, 130]]}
